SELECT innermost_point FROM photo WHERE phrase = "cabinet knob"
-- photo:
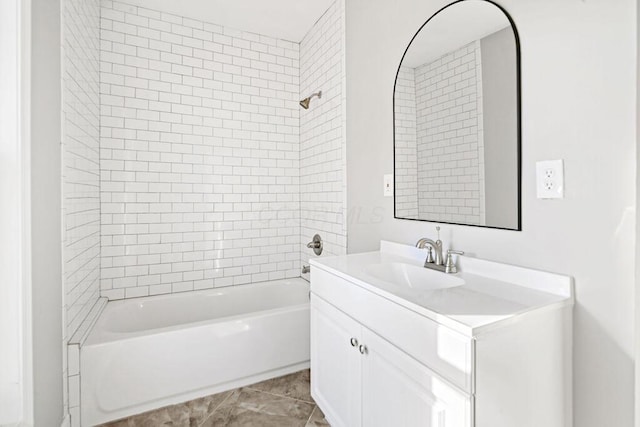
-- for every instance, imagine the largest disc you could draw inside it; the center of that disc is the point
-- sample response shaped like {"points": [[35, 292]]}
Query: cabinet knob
{"points": [[363, 349], [354, 342]]}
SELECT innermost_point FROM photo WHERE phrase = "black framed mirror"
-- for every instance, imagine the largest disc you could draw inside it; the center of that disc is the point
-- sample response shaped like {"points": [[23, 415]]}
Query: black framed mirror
{"points": [[456, 108]]}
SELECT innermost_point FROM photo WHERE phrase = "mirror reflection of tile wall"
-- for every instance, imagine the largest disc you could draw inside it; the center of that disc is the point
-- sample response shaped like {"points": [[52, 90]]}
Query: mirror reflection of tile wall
{"points": [[456, 130], [443, 173]]}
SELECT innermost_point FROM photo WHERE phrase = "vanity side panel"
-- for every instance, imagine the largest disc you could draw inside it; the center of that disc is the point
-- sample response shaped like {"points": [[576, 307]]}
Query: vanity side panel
{"points": [[523, 372]]}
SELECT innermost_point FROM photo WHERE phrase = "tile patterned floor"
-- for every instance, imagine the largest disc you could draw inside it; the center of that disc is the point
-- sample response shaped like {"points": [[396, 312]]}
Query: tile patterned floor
{"points": [[280, 402]]}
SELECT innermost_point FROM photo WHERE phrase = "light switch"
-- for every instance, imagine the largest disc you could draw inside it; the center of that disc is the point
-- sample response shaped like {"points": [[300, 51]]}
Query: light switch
{"points": [[550, 179], [388, 185]]}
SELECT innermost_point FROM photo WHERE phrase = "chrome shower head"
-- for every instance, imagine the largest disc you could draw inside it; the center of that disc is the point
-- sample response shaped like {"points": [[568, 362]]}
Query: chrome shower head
{"points": [[305, 102]]}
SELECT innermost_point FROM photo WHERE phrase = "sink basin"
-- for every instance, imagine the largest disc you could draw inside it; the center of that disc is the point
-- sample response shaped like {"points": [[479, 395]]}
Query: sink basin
{"points": [[412, 276]]}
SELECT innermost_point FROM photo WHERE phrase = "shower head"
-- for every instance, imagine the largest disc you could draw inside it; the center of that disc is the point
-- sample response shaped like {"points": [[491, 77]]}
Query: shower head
{"points": [[305, 102]]}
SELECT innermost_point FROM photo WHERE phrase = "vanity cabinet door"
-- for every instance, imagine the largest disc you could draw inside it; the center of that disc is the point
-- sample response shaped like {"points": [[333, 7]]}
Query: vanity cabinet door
{"points": [[335, 364], [399, 391]]}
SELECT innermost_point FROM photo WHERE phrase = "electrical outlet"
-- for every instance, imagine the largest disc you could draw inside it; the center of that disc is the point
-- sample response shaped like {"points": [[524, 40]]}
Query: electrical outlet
{"points": [[550, 179], [388, 185]]}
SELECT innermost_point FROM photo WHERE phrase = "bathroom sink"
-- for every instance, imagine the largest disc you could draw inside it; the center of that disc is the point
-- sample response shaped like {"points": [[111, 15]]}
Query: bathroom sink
{"points": [[412, 276]]}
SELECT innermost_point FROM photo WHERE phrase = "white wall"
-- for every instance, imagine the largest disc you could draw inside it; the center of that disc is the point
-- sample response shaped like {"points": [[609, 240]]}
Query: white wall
{"points": [[10, 227], [637, 235], [199, 154], [578, 94], [46, 209], [322, 136]]}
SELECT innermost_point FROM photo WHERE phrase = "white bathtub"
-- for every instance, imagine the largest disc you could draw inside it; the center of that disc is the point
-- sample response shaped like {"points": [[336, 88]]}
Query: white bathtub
{"points": [[146, 353]]}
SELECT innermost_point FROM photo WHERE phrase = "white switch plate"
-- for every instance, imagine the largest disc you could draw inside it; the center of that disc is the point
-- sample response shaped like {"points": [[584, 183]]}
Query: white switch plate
{"points": [[550, 179], [388, 185]]}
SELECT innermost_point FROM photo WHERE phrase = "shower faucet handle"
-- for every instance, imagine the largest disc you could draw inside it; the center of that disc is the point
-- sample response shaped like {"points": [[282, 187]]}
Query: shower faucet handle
{"points": [[316, 244]]}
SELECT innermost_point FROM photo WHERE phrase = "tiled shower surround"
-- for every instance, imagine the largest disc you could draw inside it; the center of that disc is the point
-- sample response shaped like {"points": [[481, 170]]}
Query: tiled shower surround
{"points": [[200, 152], [81, 175], [186, 155], [80, 178], [322, 135]]}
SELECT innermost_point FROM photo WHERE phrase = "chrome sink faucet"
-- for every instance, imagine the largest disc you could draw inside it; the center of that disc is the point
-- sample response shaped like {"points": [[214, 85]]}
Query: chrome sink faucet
{"points": [[437, 263], [435, 245]]}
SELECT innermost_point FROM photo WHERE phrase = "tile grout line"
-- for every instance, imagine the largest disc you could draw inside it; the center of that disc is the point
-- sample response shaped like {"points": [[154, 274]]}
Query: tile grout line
{"points": [[311, 414], [218, 406]]}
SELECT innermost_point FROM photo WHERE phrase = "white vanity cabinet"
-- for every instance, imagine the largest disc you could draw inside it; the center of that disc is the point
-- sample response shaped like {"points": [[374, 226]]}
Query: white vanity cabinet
{"points": [[385, 358], [361, 379]]}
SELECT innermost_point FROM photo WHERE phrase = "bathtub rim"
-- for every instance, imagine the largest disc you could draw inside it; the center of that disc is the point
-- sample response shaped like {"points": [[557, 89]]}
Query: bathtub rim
{"points": [[105, 336]]}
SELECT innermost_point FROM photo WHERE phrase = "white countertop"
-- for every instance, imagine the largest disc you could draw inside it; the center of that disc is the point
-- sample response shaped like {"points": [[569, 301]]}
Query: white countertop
{"points": [[492, 293]]}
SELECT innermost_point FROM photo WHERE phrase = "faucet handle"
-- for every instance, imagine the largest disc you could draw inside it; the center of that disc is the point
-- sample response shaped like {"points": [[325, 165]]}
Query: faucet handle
{"points": [[449, 265]]}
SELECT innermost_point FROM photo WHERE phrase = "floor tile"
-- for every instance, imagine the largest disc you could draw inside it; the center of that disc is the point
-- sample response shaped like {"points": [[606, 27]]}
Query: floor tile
{"points": [[296, 386], [201, 409], [188, 414], [248, 408]]}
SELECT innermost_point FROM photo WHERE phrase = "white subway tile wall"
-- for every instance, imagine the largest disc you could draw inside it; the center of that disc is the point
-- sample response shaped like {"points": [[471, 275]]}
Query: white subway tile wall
{"points": [[322, 137], [80, 176], [199, 154], [80, 146], [449, 137], [406, 154]]}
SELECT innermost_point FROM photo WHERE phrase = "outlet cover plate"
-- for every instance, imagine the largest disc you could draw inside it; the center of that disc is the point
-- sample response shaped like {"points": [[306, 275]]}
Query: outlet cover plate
{"points": [[550, 179]]}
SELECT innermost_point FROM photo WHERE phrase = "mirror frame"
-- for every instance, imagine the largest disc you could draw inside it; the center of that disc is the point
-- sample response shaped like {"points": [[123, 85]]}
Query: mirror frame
{"points": [[518, 121]]}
